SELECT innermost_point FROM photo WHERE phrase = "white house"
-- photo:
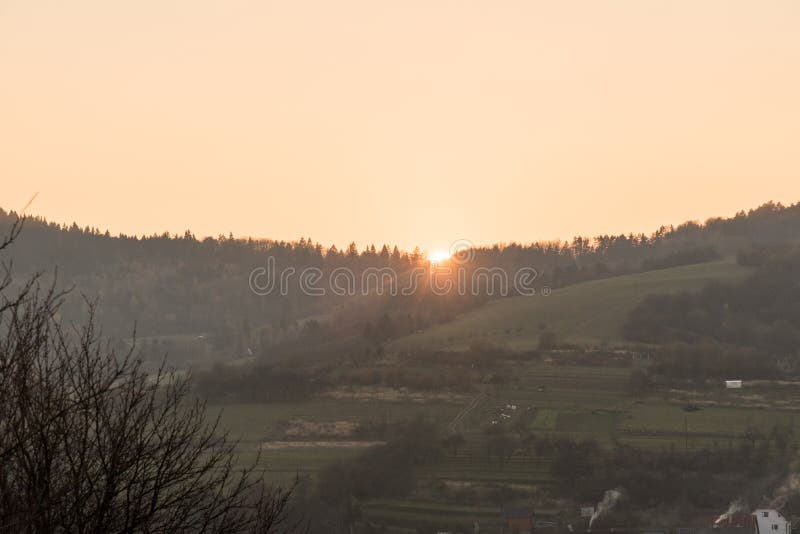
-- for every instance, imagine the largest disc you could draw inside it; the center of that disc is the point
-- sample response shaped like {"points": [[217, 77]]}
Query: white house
{"points": [[771, 522]]}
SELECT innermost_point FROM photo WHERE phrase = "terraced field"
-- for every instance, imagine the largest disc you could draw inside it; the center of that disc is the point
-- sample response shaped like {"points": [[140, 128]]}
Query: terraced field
{"points": [[547, 400]]}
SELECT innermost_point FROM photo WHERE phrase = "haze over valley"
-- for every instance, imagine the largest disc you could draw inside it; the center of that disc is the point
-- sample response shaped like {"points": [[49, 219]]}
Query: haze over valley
{"points": [[419, 267]]}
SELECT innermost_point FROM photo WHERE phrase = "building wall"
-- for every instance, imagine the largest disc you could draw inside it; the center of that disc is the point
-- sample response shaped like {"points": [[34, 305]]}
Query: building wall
{"points": [[771, 522]]}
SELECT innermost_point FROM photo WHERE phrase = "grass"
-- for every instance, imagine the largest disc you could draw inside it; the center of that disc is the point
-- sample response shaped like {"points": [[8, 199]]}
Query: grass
{"points": [[657, 417], [576, 401], [267, 421], [552, 400], [414, 512], [594, 421], [589, 313], [254, 424]]}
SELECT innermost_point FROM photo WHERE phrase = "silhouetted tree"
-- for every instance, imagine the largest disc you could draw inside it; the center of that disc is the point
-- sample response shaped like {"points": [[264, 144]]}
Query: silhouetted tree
{"points": [[91, 443]]}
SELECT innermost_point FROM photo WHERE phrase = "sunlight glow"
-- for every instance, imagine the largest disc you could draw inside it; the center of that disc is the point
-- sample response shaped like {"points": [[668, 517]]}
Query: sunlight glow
{"points": [[438, 256]]}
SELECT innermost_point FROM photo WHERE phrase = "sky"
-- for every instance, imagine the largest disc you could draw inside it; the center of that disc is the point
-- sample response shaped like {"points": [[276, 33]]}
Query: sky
{"points": [[415, 122]]}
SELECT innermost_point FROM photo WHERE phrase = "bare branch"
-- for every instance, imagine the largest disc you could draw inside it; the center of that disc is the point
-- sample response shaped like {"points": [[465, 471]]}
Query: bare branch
{"points": [[90, 442]]}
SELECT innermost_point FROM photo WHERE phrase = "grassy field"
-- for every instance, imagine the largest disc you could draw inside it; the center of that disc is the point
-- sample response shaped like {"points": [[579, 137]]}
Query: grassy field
{"points": [[286, 455], [578, 402], [549, 399], [589, 313]]}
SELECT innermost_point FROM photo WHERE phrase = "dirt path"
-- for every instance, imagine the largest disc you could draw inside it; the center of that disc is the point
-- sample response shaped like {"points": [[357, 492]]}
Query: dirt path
{"points": [[455, 424]]}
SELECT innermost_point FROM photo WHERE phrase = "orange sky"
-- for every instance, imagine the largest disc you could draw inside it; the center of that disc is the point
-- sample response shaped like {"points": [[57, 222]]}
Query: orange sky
{"points": [[409, 122]]}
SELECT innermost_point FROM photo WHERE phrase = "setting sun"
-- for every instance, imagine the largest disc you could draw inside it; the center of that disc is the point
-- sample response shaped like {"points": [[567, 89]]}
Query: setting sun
{"points": [[438, 256]]}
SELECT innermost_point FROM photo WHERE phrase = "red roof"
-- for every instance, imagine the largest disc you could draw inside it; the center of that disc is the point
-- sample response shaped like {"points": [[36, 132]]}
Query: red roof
{"points": [[740, 519]]}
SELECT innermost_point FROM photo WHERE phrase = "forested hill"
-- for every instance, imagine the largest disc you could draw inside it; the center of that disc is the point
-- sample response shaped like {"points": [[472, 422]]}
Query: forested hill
{"points": [[761, 312], [173, 284]]}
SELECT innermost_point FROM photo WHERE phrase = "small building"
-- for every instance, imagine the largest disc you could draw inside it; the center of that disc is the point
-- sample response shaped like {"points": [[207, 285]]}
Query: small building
{"points": [[760, 521], [771, 522], [733, 384], [518, 521]]}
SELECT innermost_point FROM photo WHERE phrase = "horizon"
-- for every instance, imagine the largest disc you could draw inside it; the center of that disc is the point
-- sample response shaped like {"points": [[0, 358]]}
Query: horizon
{"points": [[458, 243]]}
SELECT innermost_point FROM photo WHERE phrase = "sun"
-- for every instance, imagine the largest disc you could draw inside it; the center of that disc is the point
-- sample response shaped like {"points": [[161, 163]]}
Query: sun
{"points": [[438, 256]]}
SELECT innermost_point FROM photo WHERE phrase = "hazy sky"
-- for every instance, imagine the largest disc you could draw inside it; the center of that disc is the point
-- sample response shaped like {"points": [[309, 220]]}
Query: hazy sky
{"points": [[409, 122]]}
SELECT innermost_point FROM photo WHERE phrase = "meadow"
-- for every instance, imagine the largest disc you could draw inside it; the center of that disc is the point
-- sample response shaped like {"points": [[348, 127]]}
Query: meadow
{"points": [[585, 314]]}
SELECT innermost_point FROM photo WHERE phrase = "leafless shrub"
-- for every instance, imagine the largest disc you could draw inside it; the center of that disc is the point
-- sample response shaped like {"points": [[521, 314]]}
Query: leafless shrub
{"points": [[91, 443]]}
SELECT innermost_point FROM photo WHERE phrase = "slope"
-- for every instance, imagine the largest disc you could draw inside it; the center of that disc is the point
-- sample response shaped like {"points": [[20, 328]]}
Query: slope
{"points": [[587, 314]]}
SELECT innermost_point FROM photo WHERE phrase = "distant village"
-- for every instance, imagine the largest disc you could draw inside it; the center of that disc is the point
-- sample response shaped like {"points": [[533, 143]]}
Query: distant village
{"points": [[524, 521]]}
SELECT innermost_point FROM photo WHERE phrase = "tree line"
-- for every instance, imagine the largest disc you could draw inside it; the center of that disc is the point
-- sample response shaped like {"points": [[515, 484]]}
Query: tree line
{"points": [[173, 284], [762, 312]]}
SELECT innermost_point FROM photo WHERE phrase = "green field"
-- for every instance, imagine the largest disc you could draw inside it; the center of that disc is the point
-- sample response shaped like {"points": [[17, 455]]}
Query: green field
{"points": [[255, 424], [550, 399], [589, 313]]}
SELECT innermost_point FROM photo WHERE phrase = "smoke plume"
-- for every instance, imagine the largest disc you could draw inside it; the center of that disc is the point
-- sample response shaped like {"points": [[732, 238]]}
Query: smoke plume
{"points": [[609, 501], [789, 487], [734, 507]]}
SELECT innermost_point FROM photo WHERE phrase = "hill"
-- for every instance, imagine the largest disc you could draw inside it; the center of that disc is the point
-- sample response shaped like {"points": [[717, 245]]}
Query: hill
{"points": [[589, 313], [179, 287]]}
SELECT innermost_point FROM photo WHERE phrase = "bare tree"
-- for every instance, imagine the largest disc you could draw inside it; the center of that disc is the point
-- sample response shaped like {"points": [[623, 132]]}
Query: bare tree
{"points": [[90, 443]]}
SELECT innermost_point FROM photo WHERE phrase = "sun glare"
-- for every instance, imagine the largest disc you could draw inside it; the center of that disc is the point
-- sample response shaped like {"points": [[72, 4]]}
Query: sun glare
{"points": [[438, 256]]}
